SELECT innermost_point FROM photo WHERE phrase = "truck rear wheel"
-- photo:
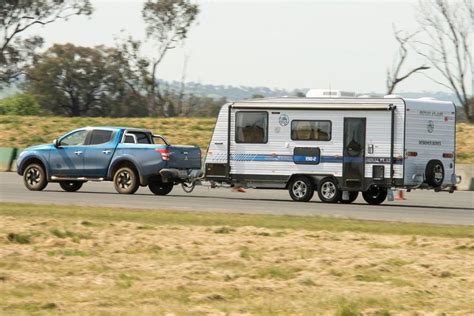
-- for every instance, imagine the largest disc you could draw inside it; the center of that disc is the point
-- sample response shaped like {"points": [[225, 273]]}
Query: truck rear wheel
{"points": [[70, 186], [328, 191], [301, 189], [126, 180], [34, 177], [160, 188], [434, 173], [375, 195]]}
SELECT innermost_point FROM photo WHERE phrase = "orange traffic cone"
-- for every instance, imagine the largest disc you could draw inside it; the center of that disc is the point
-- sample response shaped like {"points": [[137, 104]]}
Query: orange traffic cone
{"points": [[400, 195]]}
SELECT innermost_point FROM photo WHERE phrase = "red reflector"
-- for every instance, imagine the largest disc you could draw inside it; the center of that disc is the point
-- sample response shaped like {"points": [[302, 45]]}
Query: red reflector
{"points": [[448, 155], [165, 153], [412, 154], [446, 118]]}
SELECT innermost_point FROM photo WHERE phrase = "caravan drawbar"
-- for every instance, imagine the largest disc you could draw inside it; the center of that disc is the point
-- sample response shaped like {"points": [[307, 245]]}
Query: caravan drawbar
{"points": [[335, 146]]}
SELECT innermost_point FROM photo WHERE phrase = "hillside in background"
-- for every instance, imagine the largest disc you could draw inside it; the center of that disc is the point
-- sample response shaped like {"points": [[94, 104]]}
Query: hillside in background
{"points": [[244, 92], [23, 131]]}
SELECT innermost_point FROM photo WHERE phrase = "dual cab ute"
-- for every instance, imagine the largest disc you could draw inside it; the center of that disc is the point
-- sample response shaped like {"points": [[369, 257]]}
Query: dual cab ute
{"points": [[129, 157]]}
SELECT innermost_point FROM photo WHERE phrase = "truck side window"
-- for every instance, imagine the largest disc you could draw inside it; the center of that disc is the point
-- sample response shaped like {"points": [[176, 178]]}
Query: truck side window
{"points": [[74, 139], [251, 127], [100, 137], [311, 130]]}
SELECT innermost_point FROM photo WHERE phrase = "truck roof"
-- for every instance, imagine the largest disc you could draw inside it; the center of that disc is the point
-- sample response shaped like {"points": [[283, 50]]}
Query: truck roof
{"points": [[117, 128]]}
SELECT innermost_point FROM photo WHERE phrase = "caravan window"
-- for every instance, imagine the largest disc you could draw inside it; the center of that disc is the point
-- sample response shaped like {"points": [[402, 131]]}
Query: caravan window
{"points": [[311, 130], [251, 127]]}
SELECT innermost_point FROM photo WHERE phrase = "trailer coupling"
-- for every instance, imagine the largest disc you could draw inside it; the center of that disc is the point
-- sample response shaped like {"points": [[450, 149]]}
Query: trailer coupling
{"points": [[180, 175]]}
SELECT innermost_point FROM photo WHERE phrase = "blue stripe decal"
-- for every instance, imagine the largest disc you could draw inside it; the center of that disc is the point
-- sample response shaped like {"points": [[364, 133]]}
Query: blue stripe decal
{"points": [[313, 159]]}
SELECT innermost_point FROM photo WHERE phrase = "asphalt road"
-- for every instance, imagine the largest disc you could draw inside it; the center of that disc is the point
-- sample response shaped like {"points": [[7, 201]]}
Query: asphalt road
{"points": [[420, 206]]}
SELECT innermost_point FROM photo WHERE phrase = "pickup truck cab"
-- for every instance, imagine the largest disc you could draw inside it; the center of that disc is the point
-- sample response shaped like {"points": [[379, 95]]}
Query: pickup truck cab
{"points": [[129, 157]]}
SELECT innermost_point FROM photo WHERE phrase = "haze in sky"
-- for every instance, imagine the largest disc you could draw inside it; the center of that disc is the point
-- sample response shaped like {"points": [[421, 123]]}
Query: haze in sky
{"points": [[344, 45]]}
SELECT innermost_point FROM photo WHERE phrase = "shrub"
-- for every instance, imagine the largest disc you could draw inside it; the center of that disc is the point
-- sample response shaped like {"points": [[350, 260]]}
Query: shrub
{"points": [[20, 104]]}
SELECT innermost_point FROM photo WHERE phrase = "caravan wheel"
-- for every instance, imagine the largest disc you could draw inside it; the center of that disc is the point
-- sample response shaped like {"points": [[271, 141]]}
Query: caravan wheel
{"points": [[301, 189], [328, 191]]}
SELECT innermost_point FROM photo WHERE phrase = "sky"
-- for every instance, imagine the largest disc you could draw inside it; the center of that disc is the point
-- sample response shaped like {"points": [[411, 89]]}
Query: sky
{"points": [[346, 45]]}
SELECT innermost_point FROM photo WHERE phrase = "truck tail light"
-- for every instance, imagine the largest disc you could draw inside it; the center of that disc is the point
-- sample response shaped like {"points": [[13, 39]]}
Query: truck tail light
{"points": [[448, 155], [412, 153], [165, 153]]}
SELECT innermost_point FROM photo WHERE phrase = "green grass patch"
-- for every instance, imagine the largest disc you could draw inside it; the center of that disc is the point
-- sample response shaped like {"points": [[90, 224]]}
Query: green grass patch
{"points": [[19, 238], [166, 217], [278, 272]]}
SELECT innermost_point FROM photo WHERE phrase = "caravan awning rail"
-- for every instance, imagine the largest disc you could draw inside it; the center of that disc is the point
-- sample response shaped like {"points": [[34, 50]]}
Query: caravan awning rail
{"points": [[300, 106]]}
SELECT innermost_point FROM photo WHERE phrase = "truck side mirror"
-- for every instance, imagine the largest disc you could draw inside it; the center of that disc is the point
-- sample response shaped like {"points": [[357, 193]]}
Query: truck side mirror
{"points": [[56, 143]]}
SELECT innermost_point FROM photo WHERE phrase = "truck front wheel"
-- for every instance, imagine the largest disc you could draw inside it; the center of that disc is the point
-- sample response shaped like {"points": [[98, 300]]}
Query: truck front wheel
{"points": [[160, 188], [34, 177], [126, 180]]}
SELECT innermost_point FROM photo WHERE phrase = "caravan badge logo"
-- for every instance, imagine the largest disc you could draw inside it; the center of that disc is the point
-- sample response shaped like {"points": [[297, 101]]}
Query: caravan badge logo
{"points": [[430, 126], [284, 120]]}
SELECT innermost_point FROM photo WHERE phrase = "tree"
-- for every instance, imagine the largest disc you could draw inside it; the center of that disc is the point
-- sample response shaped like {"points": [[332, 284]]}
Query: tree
{"points": [[77, 81], [17, 16], [167, 24], [393, 76], [447, 26]]}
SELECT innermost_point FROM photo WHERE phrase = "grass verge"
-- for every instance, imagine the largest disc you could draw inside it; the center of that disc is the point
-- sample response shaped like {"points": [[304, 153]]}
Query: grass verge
{"points": [[167, 217], [65, 259]]}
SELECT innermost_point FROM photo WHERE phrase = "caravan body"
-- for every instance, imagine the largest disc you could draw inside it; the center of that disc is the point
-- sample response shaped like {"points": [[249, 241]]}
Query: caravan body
{"points": [[358, 143]]}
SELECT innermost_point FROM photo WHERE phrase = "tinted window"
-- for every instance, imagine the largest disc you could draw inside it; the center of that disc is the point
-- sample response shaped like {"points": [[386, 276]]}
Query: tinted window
{"points": [[311, 130], [100, 137], [251, 127], [129, 139], [142, 138], [74, 139]]}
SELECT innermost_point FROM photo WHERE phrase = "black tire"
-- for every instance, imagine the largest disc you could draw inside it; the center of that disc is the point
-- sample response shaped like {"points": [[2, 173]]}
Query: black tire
{"points": [[160, 188], [70, 186], [375, 195], [301, 189], [34, 177], [434, 173], [328, 191], [352, 197], [126, 180]]}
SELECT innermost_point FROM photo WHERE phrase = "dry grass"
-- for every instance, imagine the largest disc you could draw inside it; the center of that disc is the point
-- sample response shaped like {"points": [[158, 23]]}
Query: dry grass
{"points": [[150, 263], [465, 143], [23, 131]]}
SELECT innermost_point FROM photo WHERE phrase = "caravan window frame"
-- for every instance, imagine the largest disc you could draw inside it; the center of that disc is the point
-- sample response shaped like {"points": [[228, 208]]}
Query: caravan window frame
{"points": [[236, 127], [312, 140]]}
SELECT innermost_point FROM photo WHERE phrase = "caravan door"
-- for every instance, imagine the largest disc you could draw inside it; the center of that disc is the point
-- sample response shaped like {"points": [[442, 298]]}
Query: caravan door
{"points": [[353, 170]]}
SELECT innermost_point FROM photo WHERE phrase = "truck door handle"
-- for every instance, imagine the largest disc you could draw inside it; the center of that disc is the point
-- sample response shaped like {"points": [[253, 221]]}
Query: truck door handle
{"points": [[106, 152], [78, 153]]}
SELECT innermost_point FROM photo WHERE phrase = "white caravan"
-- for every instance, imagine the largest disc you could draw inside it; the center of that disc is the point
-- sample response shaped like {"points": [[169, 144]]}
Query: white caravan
{"points": [[336, 146]]}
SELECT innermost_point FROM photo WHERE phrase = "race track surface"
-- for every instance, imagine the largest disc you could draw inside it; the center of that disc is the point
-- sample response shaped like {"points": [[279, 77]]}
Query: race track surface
{"points": [[420, 206]]}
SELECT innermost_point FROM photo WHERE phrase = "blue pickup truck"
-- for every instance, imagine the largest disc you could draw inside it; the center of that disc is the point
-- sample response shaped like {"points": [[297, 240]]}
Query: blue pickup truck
{"points": [[129, 157]]}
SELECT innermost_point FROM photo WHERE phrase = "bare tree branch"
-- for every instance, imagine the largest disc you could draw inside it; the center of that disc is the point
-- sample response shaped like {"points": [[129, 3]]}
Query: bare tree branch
{"points": [[448, 26], [394, 77]]}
